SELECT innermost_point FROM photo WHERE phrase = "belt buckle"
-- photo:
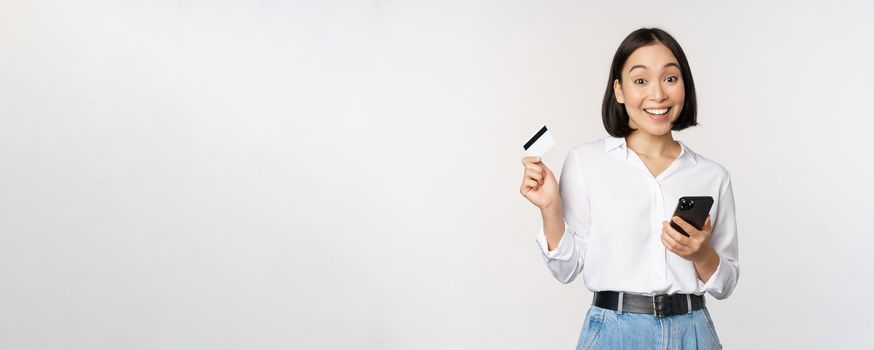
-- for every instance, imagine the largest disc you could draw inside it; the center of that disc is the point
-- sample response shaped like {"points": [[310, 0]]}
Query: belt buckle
{"points": [[656, 306]]}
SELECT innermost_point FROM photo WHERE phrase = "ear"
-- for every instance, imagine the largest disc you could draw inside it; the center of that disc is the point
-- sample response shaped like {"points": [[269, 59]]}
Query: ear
{"points": [[617, 90]]}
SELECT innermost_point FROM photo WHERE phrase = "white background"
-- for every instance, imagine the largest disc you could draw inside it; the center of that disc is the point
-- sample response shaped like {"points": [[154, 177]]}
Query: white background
{"points": [[330, 174]]}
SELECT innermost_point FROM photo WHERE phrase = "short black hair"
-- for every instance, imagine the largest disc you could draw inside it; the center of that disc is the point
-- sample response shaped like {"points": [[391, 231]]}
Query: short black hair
{"points": [[613, 113]]}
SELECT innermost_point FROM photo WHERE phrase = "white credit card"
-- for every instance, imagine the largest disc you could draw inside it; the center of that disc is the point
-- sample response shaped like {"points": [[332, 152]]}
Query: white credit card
{"points": [[540, 143]]}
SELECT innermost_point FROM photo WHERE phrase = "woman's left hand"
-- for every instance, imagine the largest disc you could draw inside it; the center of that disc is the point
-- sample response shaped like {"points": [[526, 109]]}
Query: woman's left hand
{"points": [[695, 248]]}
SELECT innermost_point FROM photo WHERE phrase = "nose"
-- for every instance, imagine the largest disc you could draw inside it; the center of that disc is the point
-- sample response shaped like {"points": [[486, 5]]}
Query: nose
{"points": [[658, 93]]}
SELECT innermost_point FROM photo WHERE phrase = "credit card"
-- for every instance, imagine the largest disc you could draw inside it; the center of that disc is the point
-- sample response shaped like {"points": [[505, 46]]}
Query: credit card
{"points": [[540, 143]]}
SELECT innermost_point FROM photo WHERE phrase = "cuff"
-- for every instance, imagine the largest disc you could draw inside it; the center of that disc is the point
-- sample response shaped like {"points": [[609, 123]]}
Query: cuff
{"points": [[563, 251], [716, 283]]}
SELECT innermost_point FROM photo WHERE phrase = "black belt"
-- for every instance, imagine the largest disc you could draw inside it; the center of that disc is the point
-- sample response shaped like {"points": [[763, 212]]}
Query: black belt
{"points": [[663, 305]]}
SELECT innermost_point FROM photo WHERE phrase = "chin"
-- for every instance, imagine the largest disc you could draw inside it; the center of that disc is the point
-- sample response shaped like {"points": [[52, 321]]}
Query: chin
{"points": [[657, 128], [658, 131]]}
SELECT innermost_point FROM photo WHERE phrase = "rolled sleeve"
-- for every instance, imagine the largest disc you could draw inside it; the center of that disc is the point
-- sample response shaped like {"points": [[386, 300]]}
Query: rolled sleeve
{"points": [[724, 240], [565, 262], [564, 251], [719, 281]]}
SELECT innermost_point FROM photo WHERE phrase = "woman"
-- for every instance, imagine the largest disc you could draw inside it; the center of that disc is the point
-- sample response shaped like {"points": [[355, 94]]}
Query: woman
{"points": [[609, 217]]}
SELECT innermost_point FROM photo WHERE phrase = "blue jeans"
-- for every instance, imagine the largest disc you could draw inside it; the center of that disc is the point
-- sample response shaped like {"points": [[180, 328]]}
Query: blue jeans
{"points": [[608, 329]]}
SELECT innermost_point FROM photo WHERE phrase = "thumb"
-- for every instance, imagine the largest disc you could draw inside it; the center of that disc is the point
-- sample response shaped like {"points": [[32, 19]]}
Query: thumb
{"points": [[548, 171], [708, 226]]}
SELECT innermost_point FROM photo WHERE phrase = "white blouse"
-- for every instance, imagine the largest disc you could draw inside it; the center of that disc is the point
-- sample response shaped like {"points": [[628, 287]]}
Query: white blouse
{"points": [[613, 212]]}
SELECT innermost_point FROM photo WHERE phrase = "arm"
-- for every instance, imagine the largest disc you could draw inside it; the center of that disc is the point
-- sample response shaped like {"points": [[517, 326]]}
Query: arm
{"points": [[553, 224], [724, 242], [566, 225], [713, 249]]}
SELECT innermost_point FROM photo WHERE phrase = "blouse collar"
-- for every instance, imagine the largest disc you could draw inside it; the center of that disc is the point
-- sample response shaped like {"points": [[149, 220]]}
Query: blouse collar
{"points": [[613, 143]]}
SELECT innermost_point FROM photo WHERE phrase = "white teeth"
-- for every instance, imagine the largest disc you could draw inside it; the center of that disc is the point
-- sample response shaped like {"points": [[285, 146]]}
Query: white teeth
{"points": [[657, 111]]}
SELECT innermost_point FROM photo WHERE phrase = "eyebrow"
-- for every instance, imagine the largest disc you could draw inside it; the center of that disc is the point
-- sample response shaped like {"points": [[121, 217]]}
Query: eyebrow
{"points": [[645, 67]]}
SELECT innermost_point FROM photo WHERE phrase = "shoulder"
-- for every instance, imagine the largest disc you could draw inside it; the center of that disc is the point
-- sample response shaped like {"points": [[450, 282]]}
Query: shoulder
{"points": [[594, 152], [707, 165], [593, 148]]}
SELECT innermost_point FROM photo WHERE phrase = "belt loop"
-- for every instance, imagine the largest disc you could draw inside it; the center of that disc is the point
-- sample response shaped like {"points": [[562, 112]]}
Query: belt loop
{"points": [[689, 303], [619, 306]]}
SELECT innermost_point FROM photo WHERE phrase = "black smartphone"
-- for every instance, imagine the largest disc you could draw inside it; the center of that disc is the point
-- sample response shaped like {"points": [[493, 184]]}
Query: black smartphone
{"points": [[693, 210]]}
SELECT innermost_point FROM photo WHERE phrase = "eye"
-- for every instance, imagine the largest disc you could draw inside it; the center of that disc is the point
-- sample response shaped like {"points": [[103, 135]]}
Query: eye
{"points": [[671, 79], [639, 81]]}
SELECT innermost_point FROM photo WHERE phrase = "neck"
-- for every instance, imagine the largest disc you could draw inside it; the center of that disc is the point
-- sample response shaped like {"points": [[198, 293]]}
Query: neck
{"points": [[650, 145]]}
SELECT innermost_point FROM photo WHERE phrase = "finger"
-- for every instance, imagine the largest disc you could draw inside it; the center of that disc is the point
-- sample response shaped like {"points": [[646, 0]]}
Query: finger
{"points": [[534, 171], [528, 187], [674, 234], [691, 230], [671, 244], [531, 159], [538, 166], [536, 175], [528, 183], [539, 170], [535, 168]]}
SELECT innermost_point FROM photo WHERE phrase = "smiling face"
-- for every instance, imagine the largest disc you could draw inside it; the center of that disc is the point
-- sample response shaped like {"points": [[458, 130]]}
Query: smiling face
{"points": [[651, 89]]}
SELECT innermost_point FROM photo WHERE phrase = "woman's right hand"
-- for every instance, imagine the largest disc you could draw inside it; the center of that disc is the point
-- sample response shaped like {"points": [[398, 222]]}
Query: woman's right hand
{"points": [[539, 184]]}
